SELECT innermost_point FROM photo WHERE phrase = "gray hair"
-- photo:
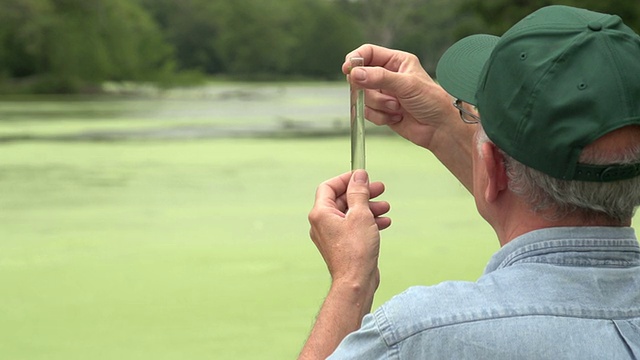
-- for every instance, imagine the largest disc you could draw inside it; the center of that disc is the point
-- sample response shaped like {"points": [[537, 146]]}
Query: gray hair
{"points": [[616, 200]]}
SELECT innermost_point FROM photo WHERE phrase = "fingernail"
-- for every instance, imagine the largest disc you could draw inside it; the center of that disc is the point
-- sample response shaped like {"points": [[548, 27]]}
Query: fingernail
{"points": [[360, 176], [396, 118], [392, 105], [359, 74]]}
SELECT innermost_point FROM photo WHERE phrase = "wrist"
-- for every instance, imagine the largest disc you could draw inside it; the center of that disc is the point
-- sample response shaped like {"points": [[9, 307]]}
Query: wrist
{"points": [[452, 144], [357, 293], [355, 288], [344, 307]]}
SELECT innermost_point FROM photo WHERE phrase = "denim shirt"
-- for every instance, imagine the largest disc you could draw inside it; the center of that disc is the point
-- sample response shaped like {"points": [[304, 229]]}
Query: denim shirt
{"points": [[557, 293]]}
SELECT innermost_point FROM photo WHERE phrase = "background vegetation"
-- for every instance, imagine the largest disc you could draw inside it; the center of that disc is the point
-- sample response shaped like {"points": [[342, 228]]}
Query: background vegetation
{"points": [[74, 45]]}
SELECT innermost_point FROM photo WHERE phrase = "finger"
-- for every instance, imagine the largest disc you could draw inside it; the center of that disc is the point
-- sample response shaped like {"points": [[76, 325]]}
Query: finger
{"points": [[329, 191], [380, 101], [383, 222], [358, 191], [375, 55], [389, 82], [341, 203], [380, 118], [382, 109], [376, 189], [379, 208]]}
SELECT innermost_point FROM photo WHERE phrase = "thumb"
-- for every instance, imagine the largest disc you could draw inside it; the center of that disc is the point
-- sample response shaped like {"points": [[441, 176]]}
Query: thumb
{"points": [[358, 190]]}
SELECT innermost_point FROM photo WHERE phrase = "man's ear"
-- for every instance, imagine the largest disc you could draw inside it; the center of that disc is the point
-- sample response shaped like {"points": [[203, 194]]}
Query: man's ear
{"points": [[497, 180]]}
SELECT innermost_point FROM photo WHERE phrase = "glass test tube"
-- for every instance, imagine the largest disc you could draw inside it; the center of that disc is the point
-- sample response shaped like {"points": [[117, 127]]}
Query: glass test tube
{"points": [[357, 121]]}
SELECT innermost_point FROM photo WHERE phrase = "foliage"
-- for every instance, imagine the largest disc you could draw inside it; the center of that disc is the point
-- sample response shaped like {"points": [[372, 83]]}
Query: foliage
{"points": [[499, 15], [68, 45], [191, 27], [24, 34], [250, 38], [324, 35], [428, 30], [63, 45]]}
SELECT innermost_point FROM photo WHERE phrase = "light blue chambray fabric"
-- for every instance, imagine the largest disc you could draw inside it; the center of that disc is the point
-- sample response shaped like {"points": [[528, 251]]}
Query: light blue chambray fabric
{"points": [[558, 293]]}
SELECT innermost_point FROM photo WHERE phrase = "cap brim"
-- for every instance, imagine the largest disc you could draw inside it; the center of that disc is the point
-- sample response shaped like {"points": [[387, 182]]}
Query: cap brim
{"points": [[459, 68]]}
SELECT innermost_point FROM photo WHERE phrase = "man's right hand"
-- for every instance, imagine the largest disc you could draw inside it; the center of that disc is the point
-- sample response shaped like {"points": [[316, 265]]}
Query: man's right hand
{"points": [[401, 95]]}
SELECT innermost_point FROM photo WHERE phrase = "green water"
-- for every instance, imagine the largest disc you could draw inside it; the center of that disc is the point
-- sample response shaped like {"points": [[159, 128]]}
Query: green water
{"points": [[180, 247]]}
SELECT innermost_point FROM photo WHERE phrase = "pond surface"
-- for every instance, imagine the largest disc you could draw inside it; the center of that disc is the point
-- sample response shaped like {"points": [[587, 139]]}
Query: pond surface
{"points": [[219, 110]]}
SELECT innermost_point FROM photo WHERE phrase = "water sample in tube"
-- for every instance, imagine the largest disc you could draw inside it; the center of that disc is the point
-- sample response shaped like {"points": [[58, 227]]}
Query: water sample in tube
{"points": [[357, 121]]}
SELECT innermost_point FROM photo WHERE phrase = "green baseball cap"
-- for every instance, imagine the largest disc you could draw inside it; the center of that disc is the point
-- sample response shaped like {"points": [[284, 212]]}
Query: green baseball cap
{"points": [[552, 84]]}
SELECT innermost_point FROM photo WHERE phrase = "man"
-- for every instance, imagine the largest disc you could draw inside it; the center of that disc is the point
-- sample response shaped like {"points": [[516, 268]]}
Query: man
{"points": [[552, 158]]}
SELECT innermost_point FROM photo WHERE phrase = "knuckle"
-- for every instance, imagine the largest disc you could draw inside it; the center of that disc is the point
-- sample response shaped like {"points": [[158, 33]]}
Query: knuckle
{"points": [[314, 216], [412, 57], [358, 196]]}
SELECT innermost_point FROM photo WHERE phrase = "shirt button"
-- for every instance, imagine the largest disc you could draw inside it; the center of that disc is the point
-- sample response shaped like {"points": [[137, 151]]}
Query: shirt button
{"points": [[595, 26]]}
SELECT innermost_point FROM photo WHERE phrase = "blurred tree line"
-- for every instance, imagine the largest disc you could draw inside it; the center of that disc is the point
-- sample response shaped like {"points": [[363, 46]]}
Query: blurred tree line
{"points": [[64, 45], [75, 45]]}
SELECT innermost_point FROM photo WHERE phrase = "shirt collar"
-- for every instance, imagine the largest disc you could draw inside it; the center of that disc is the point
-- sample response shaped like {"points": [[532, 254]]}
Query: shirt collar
{"points": [[618, 242]]}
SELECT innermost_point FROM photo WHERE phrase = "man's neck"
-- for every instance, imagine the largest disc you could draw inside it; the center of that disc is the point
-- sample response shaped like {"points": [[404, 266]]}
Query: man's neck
{"points": [[519, 225]]}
